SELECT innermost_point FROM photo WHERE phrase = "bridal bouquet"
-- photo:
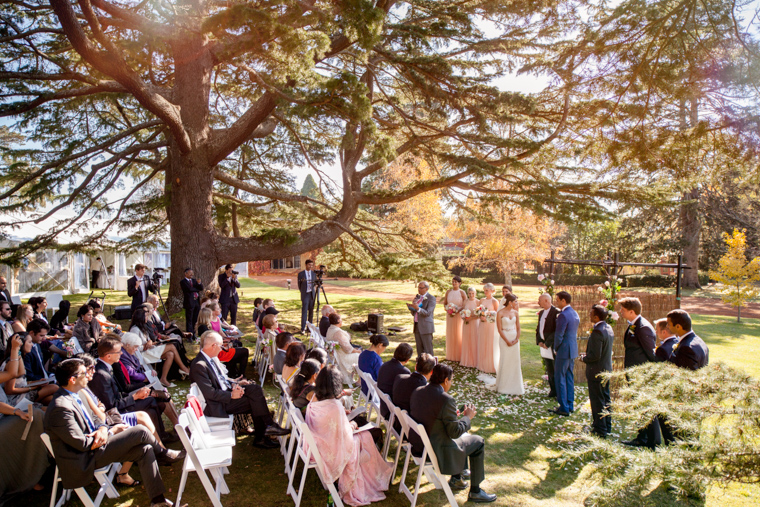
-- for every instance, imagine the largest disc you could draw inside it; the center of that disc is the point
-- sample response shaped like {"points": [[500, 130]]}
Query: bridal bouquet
{"points": [[452, 309], [465, 314], [490, 316]]}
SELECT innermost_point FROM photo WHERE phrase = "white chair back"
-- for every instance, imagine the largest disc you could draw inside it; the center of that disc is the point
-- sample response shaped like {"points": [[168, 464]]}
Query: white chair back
{"points": [[199, 460]]}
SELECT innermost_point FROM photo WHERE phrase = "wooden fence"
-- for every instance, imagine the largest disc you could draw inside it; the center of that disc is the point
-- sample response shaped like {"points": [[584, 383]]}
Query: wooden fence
{"points": [[654, 306]]}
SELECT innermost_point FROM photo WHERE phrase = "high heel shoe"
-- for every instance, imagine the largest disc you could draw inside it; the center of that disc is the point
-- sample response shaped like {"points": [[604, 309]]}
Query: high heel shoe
{"points": [[183, 374], [120, 484]]}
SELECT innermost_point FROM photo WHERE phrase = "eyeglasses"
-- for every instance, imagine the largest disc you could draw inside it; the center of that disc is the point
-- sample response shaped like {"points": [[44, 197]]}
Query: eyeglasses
{"points": [[80, 375]]}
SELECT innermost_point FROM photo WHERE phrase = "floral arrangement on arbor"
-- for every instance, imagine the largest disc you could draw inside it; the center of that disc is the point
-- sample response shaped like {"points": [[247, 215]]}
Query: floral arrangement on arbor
{"points": [[548, 283], [610, 291]]}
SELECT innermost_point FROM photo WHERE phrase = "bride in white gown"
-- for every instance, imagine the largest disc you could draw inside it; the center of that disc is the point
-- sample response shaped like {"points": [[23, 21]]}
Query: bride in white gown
{"points": [[509, 378]]}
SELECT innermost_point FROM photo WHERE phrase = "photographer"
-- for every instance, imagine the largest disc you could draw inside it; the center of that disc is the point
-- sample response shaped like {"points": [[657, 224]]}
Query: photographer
{"points": [[308, 285], [191, 289], [228, 298], [139, 286]]}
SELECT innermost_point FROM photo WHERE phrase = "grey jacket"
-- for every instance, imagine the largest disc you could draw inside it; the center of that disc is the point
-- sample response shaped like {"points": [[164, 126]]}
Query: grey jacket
{"points": [[425, 323]]}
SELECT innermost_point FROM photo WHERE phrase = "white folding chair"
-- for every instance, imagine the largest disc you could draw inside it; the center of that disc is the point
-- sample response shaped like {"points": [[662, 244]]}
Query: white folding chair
{"points": [[263, 367], [104, 476], [427, 463], [214, 460], [316, 338], [213, 422], [389, 424], [208, 436], [295, 419], [311, 457]]}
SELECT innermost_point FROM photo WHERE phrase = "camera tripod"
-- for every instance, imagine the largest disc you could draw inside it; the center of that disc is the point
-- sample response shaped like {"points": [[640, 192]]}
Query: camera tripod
{"points": [[321, 287]]}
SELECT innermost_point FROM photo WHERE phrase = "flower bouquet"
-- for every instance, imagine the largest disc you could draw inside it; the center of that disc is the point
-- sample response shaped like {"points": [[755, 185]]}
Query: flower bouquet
{"points": [[465, 315], [452, 309], [490, 316], [479, 311]]}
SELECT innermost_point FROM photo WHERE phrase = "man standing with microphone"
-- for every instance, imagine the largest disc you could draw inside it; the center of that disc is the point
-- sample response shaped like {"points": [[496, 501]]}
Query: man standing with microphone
{"points": [[306, 285], [228, 298]]}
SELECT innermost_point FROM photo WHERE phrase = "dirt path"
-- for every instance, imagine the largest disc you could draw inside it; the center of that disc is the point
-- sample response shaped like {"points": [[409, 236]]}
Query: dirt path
{"points": [[695, 305]]}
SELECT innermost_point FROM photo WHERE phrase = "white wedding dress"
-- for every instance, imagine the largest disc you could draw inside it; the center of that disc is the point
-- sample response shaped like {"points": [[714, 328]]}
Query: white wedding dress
{"points": [[509, 378]]}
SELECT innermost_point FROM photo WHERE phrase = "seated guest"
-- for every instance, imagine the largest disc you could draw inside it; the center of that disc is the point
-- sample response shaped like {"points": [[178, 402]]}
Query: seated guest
{"points": [[208, 298], [350, 458], [6, 325], [436, 410], [302, 384], [34, 363], [155, 353], [224, 398], [60, 319], [16, 388], [319, 354], [135, 371], [234, 358], [370, 360], [105, 325], [256, 309], [346, 354], [405, 385], [24, 315], [218, 325], [691, 351], [392, 369], [82, 444], [294, 356], [324, 322], [104, 386], [281, 341], [269, 326], [163, 327], [267, 308], [39, 307], [667, 340], [86, 331], [24, 461]]}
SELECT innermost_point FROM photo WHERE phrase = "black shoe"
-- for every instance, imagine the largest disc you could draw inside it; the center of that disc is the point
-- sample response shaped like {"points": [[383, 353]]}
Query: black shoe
{"points": [[465, 474], [481, 497], [552, 395], [458, 484], [634, 443], [266, 443], [558, 411], [275, 430], [170, 438], [171, 456]]}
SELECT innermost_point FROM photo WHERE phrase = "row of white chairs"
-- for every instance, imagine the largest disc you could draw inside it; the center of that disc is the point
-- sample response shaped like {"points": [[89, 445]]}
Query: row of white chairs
{"points": [[317, 340]]}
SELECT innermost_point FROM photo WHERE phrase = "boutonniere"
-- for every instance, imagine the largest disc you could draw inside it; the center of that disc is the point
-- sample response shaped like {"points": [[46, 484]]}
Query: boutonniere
{"points": [[632, 328]]}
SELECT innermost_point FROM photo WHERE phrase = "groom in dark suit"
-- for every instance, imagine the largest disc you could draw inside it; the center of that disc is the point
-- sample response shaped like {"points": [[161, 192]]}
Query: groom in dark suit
{"points": [[547, 324], [566, 347], [598, 359], [82, 443]]}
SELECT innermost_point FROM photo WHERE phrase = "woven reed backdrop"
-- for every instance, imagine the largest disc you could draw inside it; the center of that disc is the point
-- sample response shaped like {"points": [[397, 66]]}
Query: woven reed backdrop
{"points": [[653, 307]]}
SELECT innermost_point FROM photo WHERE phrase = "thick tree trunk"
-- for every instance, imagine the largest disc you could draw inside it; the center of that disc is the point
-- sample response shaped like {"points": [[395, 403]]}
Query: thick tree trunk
{"points": [[690, 229]]}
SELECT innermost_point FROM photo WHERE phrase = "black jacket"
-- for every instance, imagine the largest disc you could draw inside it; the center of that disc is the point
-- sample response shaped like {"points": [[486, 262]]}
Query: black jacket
{"points": [[598, 356], [205, 378], [324, 325], [302, 282], [105, 387], [229, 289], [549, 327], [385, 379], [192, 293], [691, 352], [403, 388], [639, 343], [665, 349], [137, 294]]}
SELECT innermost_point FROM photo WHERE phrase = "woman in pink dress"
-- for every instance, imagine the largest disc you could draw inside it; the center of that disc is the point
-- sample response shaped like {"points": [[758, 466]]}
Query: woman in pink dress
{"points": [[470, 331], [488, 352], [350, 458], [456, 298]]}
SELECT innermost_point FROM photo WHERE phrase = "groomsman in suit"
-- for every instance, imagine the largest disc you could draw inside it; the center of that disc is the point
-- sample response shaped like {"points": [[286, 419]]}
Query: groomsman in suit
{"points": [[405, 385], [34, 363], [307, 285], [422, 308], [139, 286], [691, 351], [224, 397], [566, 347], [547, 325], [82, 443], [639, 341], [391, 369], [228, 297], [598, 359], [191, 289], [434, 408], [5, 294], [667, 340], [6, 331]]}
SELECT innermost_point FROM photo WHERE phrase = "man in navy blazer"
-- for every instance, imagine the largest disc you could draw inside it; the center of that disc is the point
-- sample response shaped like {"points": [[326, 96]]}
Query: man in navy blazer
{"points": [[691, 351], [566, 348], [392, 369], [34, 364]]}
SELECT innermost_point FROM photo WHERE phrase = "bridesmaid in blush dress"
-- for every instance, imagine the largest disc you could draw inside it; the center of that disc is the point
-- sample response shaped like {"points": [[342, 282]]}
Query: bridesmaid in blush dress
{"points": [[488, 352], [470, 332], [454, 296]]}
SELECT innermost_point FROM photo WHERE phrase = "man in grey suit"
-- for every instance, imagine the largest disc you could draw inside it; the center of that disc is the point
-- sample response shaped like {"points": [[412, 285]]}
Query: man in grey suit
{"points": [[422, 308], [83, 444], [436, 410], [598, 359]]}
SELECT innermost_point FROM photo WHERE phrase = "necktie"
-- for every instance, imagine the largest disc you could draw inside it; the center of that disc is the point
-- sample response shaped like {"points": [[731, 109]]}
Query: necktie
{"points": [[42, 363], [222, 379], [90, 425]]}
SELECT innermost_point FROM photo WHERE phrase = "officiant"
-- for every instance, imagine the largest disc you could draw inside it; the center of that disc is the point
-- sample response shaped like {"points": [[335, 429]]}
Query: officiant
{"points": [[547, 323]]}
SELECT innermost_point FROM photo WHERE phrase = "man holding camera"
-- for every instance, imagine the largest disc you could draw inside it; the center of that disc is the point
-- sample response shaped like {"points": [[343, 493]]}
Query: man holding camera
{"points": [[307, 284], [228, 298], [138, 287], [191, 290]]}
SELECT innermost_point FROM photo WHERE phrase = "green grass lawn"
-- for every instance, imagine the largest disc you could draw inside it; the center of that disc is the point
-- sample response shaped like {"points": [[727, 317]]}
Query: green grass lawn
{"points": [[521, 464]]}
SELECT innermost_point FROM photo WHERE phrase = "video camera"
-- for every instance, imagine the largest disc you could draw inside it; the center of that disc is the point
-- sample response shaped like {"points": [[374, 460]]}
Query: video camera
{"points": [[320, 272], [158, 275], [235, 272]]}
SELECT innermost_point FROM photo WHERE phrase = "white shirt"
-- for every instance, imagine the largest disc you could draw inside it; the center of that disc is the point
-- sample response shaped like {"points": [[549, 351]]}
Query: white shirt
{"points": [[542, 323], [309, 281], [223, 382], [143, 288]]}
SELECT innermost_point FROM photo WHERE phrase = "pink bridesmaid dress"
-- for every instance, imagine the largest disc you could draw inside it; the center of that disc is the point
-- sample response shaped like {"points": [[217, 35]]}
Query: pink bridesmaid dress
{"points": [[470, 337], [454, 327], [488, 353]]}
